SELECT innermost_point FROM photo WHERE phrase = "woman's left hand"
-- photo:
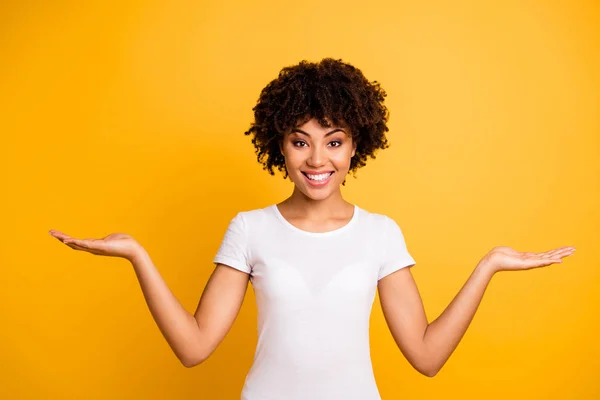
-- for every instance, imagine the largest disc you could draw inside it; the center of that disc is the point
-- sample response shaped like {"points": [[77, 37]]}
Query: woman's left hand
{"points": [[504, 258]]}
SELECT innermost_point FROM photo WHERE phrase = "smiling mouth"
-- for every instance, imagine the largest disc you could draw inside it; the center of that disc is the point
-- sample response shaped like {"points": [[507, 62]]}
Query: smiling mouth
{"points": [[317, 178]]}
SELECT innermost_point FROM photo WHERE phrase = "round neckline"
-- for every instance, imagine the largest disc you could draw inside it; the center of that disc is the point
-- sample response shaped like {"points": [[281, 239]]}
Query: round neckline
{"points": [[327, 233]]}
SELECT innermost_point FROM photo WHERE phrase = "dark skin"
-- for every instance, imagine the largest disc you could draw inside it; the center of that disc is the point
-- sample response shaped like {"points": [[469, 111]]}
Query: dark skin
{"points": [[312, 147], [427, 346]]}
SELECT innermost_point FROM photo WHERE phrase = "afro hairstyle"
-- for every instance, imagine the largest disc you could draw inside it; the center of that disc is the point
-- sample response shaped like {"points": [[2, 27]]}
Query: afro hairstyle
{"points": [[331, 91]]}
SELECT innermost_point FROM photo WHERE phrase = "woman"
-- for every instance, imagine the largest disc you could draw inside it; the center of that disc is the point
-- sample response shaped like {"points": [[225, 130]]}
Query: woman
{"points": [[314, 260]]}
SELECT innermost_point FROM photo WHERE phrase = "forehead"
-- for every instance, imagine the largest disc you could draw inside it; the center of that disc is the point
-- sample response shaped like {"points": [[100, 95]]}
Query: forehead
{"points": [[314, 123], [312, 126]]}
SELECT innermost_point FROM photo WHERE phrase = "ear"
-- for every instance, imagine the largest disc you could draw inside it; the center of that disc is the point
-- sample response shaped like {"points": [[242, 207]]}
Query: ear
{"points": [[354, 144]]}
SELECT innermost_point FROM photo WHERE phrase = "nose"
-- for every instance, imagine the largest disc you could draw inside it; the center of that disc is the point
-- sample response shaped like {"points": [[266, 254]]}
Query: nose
{"points": [[317, 157]]}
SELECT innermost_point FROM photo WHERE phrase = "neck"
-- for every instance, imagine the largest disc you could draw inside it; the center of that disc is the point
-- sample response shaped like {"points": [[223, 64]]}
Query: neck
{"points": [[300, 204]]}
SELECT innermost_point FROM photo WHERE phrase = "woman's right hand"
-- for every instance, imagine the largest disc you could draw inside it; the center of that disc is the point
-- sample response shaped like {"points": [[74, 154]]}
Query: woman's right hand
{"points": [[113, 245]]}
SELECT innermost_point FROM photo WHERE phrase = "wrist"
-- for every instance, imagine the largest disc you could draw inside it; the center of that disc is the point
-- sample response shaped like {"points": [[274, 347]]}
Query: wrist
{"points": [[137, 255], [487, 267]]}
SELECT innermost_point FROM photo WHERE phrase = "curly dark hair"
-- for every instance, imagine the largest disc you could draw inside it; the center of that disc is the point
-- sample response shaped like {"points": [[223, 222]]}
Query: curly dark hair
{"points": [[332, 92]]}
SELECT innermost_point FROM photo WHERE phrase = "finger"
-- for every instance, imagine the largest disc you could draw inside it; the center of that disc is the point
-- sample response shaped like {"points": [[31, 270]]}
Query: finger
{"points": [[550, 252], [76, 247], [542, 262], [554, 259], [563, 254], [558, 252], [551, 259], [537, 256], [79, 242], [566, 250], [58, 235], [94, 246]]}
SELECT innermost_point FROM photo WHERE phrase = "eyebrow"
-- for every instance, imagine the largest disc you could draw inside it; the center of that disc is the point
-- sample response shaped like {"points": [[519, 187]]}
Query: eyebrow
{"points": [[327, 134]]}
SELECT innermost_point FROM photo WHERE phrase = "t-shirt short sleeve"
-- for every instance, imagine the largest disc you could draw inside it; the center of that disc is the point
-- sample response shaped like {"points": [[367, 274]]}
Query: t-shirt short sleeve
{"points": [[233, 249], [396, 255]]}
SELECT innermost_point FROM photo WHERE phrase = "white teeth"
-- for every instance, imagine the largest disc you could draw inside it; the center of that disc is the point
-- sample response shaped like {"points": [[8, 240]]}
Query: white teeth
{"points": [[320, 177]]}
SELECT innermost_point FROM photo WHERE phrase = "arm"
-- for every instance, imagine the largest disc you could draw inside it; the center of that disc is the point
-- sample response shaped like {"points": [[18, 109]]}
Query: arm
{"points": [[426, 346], [192, 337]]}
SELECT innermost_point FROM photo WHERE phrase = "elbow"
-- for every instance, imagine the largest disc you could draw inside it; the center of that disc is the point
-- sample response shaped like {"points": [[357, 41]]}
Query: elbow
{"points": [[194, 355], [429, 369], [429, 364], [430, 373], [192, 359], [190, 362]]}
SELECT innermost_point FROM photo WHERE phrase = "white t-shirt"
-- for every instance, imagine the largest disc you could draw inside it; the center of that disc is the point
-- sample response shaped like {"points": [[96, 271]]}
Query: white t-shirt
{"points": [[314, 293]]}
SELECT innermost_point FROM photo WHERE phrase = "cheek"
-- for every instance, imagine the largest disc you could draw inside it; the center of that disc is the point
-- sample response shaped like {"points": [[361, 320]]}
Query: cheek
{"points": [[293, 159], [293, 163], [343, 159]]}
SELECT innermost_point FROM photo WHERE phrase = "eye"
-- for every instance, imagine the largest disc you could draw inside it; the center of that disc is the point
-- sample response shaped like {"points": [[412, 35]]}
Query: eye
{"points": [[295, 143], [339, 143]]}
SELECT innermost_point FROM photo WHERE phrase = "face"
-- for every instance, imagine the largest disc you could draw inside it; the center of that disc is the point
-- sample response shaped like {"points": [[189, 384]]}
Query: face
{"points": [[318, 158]]}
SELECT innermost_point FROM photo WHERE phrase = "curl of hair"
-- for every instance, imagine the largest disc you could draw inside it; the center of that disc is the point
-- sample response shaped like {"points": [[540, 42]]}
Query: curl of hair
{"points": [[331, 91]]}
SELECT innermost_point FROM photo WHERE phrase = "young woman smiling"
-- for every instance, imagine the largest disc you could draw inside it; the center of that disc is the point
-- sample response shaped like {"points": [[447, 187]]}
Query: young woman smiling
{"points": [[315, 260]]}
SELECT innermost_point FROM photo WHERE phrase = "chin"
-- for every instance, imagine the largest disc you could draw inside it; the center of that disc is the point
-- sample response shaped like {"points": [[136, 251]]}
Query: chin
{"points": [[317, 197]]}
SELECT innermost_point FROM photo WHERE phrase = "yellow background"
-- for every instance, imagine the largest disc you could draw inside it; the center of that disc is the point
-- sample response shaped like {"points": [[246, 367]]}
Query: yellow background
{"points": [[130, 118]]}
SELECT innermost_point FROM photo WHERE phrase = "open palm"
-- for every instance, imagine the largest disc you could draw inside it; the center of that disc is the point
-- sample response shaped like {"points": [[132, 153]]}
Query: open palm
{"points": [[113, 245], [504, 258]]}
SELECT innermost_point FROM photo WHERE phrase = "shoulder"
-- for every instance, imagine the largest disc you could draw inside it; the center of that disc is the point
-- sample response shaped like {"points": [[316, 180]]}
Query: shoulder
{"points": [[381, 225], [254, 214], [376, 220], [252, 218]]}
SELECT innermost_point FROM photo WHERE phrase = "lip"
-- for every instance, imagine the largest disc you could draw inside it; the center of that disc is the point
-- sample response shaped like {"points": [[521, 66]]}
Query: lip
{"points": [[316, 172], [320, 183]]}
